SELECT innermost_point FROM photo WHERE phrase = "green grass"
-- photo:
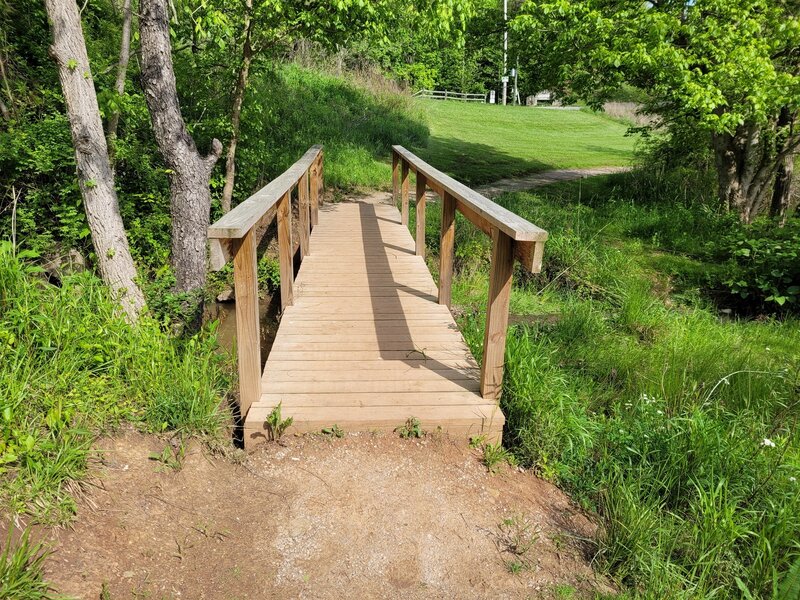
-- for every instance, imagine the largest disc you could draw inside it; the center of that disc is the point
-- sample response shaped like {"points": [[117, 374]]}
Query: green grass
{"points": [[71, 368], [629, 390], [481, 143]]}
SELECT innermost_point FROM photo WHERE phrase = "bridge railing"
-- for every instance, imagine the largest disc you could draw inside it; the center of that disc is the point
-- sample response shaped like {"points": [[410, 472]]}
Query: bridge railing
{"points": [[235, 237], [446, 95], [513, 238]]}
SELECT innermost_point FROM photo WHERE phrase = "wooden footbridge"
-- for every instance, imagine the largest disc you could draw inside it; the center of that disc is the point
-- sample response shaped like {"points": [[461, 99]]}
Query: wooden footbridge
{"points": [[366, 338]]}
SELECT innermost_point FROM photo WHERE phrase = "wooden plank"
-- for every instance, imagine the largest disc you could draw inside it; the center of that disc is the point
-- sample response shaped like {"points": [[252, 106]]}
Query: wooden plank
{"points": [[248, 349], [404, 194], [428, 357], [376, 365], [503, 219], [304, 214], [342, 393], [343, 345], [241, 219], [285, 250], [447, 249], [420, 215], [494, 340], [402, 372]]}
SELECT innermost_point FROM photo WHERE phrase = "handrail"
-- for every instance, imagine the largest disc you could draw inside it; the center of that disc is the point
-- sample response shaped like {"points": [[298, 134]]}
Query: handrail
{"points": [[235, 237], [512, 238]]}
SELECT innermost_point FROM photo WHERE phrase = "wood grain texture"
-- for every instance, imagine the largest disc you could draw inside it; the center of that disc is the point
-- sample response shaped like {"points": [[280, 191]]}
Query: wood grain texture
{"points": [[285, 250], [404, 194], [494, 339], [503, 219], [304, 216], [242, 218], [420, 215], [248, 350], [365, 343], [447, 249]]}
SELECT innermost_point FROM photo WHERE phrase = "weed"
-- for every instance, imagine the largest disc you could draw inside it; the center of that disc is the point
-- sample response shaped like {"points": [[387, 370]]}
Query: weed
{"points": [[170, 458], [276, 426], [516, 536], [410, 429], [495, 455], [334, 431], [22, 568], [477, 441]]}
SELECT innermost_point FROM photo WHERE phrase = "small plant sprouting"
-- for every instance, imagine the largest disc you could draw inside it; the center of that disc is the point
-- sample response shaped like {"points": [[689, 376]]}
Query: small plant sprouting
{"points": [[516, 536], [72, 64], [334, 431], [170, 457], [477, 441], [276, 426], [410, 429], [494, 455]]}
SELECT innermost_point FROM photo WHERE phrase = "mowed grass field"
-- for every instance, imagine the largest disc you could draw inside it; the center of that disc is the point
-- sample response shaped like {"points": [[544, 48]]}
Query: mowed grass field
{"points": [[481, 143]]}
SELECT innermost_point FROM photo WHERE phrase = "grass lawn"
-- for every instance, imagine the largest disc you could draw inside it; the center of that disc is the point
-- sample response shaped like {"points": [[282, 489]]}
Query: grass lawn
{"points": [[481, 143]]}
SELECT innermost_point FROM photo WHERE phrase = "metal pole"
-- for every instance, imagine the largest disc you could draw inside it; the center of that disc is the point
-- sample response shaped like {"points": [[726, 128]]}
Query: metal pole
{"points": [[505, 50]]}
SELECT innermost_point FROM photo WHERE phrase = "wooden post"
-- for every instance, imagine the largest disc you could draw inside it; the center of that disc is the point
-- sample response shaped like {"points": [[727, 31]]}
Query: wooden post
{"points": [[285, 249], [248, 348], [420, 200], [314, 185], [404, 194], [395, 177], [494, 339], [303, 212], [447, 248], [321, 176]]}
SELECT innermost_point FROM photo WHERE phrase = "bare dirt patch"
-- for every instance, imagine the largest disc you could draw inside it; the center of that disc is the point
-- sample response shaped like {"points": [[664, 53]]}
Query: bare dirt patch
{"points": [[361, 516]]}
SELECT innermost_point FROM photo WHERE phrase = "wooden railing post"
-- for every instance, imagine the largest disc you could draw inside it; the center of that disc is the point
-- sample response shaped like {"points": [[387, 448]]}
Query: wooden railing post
{"points": [[395, 177], [420, 202], [447, 248], [494, 339], [248, 348], [314, 189], [404, 194], [285, 250], [303, 212]]}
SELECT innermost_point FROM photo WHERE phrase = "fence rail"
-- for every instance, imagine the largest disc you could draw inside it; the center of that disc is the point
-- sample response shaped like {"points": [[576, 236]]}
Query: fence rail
{"points": [[235, 237], [513, 238], [446, 95]]}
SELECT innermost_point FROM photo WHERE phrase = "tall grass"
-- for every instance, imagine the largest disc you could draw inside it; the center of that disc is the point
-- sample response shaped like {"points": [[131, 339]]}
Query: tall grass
{"points": [[71, 367], [675, 424]]}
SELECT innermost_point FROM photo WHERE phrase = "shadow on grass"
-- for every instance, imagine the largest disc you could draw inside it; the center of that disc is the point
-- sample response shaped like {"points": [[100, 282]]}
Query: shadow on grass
{"points": [[475, 164]]}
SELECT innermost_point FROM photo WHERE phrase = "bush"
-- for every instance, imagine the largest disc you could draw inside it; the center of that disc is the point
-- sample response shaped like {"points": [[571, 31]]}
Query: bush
{"points": [[71, 367], [761, 264]]}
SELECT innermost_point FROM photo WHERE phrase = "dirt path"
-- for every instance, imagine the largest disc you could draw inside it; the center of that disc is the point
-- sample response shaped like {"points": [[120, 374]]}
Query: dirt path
{"points": [[363, 516], [520, 184]]}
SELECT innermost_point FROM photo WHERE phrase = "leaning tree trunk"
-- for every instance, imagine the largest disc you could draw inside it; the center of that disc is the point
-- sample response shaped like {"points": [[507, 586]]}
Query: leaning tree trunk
{"points": [[189, 171], [236, 111], [122, 69], [782, 192], [95, 176]]}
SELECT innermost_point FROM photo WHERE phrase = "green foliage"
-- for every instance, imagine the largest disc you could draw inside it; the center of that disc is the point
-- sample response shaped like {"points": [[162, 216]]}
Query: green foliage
{"points": [[624, 386], [333, 431], [70, 367], [22, 569], [276, 425], [412, 428], [495, 455], [762, 263]]}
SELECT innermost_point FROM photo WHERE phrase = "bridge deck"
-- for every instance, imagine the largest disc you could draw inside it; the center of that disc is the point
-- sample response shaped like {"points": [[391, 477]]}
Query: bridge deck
{"points": [[365, 344]]}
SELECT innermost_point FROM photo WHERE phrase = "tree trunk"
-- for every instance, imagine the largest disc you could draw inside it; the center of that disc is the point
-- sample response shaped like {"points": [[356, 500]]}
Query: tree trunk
{"points": [[95, 176], [782, 192], [189, 171], [122, 69], [744, 170], [236, 112]]}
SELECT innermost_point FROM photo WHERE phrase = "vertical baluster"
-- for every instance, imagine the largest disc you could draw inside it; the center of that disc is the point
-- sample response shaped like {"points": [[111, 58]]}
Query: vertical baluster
{"points": [[420, 202], [447, 248], [248, 349], [285, 250], [494, 339]]}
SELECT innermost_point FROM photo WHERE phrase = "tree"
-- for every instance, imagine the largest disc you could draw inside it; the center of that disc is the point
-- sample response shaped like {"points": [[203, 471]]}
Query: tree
{"points": [[95, 176], [726, 67], [189, 171], [122, 69]]}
